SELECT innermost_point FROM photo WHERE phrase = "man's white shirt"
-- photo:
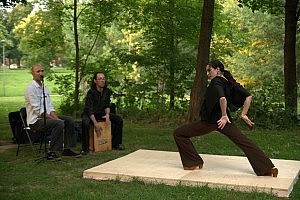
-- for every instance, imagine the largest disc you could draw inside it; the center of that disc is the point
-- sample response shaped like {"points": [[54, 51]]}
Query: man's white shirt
{"points": [[34, 101]]}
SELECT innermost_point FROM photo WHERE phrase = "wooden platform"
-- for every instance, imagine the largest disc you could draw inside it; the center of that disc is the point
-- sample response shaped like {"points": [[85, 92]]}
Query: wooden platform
{"points": [[231, 172]]}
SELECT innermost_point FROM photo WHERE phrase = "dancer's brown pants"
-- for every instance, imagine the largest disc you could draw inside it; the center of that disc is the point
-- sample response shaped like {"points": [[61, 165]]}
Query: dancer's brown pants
{"points": [[260, 163]]}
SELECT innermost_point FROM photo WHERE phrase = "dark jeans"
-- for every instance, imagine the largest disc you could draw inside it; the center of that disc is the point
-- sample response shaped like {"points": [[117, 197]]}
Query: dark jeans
{"points": [[116, 130], [62, 132], [260, 163]]}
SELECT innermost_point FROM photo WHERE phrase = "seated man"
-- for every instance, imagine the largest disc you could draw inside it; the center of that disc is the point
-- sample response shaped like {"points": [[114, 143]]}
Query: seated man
{"points": [[97, 108], [61, 127]]}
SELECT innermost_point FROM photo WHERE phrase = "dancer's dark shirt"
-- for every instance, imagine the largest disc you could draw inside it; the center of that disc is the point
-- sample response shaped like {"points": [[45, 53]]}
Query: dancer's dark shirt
{"points": [[96, 102], [218, 87], [211, 110]]}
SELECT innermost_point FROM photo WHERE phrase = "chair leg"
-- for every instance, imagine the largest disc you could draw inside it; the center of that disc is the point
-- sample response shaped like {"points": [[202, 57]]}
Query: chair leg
{"points": [[18, 149], [31, 144], [41, 145], [26, 128]]}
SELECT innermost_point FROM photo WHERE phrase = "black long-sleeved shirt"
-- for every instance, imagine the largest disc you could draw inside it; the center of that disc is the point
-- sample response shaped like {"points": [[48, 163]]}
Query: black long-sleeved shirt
{"points": [[96, 102], [220, 87]]}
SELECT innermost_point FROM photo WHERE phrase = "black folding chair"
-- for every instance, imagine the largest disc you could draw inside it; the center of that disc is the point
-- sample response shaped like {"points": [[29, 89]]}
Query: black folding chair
{"points": [[32, 135], [16, 126]]}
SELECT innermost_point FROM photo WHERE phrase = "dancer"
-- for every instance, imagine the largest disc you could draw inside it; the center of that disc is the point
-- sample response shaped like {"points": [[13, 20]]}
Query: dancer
{"points": [[215, 116]]}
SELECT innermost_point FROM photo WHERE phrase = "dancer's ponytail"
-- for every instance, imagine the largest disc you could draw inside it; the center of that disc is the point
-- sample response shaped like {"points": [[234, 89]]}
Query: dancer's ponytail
{"points": [[228, 76], [218, 64]]}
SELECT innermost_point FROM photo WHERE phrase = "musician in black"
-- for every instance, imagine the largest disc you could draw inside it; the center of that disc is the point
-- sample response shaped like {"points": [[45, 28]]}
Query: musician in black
{"points": [[97, 108]]}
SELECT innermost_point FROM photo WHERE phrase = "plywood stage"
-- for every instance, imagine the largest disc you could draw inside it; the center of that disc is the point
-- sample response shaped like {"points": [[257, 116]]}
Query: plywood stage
{"points": [[231, 172]]}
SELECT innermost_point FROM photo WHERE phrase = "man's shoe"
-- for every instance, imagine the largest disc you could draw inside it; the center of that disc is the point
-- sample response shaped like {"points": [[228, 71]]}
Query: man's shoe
{"points": [[51, 156], [120, 147], [69, 153], [84, 152]]}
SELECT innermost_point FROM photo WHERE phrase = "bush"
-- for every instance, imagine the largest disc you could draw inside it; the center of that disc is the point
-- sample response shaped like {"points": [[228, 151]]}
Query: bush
{"points": [[267, 109]]}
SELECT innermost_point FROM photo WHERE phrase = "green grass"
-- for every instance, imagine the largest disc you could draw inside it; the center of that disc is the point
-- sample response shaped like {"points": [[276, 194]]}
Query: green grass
{"points": [[21, 178], [14, 82]]}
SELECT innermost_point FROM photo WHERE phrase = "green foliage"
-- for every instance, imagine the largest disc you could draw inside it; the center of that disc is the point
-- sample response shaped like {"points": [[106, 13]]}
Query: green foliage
{"points": [[158, 43], [160, 115], [271, 6], [148, 50], [255, 58], [65, 84], [41, 38], [251, 48], [15, 17], [268, 108], [11, 3]]}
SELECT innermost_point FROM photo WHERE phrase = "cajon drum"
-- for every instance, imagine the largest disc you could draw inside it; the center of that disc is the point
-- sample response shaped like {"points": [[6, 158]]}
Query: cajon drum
{"points": [[100, 142]]}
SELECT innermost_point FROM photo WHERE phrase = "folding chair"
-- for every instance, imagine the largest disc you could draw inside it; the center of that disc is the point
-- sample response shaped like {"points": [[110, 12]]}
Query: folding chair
{"points": [[16, 125], [31, 135]]}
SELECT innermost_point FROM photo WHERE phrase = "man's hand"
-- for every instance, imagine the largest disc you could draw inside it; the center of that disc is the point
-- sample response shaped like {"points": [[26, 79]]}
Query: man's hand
{"points": [[107, 119], [97, 129]]}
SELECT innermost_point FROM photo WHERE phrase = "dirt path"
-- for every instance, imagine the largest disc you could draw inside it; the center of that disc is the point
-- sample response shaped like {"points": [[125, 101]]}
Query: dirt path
{"points": [[4, 145]]}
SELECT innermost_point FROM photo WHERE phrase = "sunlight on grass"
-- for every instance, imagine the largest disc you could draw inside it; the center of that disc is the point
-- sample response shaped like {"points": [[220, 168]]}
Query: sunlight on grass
{"points": [[14, 82]]}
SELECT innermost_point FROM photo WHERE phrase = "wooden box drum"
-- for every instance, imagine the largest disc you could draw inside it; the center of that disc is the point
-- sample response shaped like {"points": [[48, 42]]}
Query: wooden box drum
{"points": [[100, 142]]}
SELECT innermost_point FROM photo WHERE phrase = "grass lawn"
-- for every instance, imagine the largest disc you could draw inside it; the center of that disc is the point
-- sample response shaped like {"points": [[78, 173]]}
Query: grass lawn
{"points": [[21, 178], [13, 82]]}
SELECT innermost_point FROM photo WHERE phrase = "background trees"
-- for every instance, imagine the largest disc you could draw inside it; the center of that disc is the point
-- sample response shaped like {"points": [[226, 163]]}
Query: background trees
{"points": [[291, 18], [40, 36], [152, 52]]}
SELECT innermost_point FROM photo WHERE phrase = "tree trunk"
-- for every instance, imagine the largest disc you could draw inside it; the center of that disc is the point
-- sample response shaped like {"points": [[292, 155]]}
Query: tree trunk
{"points": [[290, 79], [200, 81], [172, 62], [77, 61]]}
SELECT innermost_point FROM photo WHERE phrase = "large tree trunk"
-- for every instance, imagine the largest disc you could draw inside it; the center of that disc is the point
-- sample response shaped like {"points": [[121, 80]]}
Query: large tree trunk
{"points": [[200, 82], [290, 79]]}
